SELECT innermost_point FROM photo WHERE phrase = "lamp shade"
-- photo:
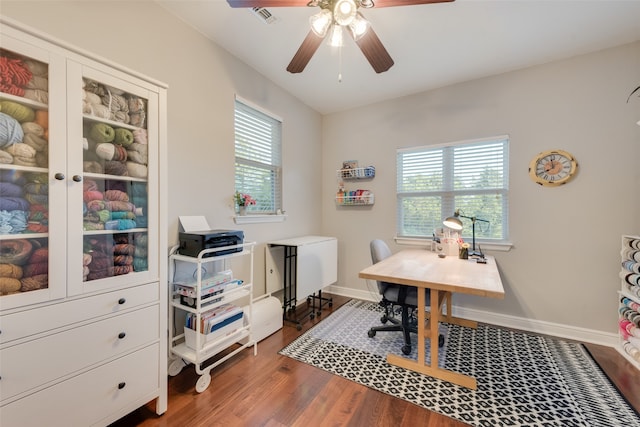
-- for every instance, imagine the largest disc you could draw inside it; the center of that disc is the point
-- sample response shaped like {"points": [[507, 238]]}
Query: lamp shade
{"points": [[320, 22], [335, 36], [453, 222], [358, 26], [344, 11]]}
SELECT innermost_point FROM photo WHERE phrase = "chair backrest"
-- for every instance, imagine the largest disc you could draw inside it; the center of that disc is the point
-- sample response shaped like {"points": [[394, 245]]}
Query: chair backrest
{"points": [[379, 251]]}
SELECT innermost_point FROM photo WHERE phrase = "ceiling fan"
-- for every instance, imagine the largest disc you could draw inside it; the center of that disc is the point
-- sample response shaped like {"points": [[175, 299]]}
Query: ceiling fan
{"points": [[334, 18]]}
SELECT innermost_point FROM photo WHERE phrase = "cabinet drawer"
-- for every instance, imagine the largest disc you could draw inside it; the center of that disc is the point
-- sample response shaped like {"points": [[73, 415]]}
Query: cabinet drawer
{"points": [[95, 396], [37, 362], [42, 319]]}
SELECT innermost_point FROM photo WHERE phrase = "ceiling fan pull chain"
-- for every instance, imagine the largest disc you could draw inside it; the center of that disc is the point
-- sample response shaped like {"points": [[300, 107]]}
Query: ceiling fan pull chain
{"points": [[339, 64]]}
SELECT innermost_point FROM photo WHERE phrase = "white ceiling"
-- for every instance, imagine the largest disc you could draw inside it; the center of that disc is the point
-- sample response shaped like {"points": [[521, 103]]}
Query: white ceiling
{"points": [[433, 45]]}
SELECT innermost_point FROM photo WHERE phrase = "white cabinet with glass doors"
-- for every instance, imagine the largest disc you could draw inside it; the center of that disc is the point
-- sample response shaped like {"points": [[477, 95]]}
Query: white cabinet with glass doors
{"points": [[81, 145]]}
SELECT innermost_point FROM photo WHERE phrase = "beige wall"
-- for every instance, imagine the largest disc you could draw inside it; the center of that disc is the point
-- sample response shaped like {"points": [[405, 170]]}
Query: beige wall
{"points": [[563, 267], [565, 260], [203, 80]]}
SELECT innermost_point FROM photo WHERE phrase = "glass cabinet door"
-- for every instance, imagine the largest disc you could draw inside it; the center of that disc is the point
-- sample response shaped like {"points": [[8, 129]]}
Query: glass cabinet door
{"points": [[31, 256], [112, 191]]}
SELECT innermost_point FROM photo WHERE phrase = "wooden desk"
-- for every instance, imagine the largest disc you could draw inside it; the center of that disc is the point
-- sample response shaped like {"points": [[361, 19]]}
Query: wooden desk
{"points": [[444, 276]]}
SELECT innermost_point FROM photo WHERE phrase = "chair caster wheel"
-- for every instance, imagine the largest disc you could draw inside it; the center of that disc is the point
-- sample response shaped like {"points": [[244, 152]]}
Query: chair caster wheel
{"points": [[440, 340], [384, 319], [371, 333], [406, 350]]}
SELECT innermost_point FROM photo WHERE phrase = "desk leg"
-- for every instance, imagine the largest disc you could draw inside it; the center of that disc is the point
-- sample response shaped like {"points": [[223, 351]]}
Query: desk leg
{"points": [[420, 365]]}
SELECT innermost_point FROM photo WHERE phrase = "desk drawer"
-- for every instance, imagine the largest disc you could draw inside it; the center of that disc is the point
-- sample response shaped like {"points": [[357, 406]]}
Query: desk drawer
{"points": [[92, 396], [46, 318], [38, 362]]}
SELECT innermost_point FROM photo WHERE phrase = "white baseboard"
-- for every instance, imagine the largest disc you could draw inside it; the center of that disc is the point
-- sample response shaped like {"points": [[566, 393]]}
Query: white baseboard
{"points": [[524, 324]]}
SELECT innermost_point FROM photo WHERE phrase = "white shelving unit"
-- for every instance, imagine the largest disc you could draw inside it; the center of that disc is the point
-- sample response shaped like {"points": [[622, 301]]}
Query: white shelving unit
{"points": [[358, 197], [629, 310], [189, 345]]}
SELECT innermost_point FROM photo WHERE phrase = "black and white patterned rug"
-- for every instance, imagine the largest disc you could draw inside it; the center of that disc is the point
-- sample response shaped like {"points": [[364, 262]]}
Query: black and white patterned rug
{"points": [[523, 379]]}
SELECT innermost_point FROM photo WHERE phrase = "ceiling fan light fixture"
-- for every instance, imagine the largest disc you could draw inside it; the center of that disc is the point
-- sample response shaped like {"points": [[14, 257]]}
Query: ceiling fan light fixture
{"points": [[358, 26], [320, 22], [335, 37], [344, 11]]}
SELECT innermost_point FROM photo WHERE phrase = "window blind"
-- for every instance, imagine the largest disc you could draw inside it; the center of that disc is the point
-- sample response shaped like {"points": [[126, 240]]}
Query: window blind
{"points": [[258, 158], [432, 182]]}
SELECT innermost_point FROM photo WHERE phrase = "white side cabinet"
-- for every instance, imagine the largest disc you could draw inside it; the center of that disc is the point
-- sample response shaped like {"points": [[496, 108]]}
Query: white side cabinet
{"points": [[629, 309], [83, 315], [211, 308]]}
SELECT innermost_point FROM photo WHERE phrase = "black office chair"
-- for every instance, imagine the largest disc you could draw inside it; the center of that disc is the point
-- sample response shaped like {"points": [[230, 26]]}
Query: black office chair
{"points": [[394, 295]]}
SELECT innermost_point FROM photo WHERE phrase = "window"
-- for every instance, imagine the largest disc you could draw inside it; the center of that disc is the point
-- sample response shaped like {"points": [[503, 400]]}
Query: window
{"points": [[258, 159], [472, 176]]}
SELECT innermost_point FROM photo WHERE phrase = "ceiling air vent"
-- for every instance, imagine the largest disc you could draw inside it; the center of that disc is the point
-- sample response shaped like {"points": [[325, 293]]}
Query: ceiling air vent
{"points": [[264, 15]]}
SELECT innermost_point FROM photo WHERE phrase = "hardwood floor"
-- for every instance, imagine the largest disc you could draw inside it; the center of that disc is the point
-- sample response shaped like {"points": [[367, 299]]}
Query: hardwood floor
{"points": [[272, 390]]}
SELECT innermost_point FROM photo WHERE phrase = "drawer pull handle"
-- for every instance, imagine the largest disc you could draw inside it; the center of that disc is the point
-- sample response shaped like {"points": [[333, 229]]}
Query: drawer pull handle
{"points": [[122, 335], [59, 176], [122, 301], [77, 178], [121, 385]]}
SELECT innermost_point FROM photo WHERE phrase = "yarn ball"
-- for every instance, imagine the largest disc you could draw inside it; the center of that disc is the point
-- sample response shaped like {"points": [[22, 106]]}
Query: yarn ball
{"points": [[22, 151], [115, 168], [109, 151], [105, 150], [36, 142], [32, 127], [40, 255], [15, 251], [5, 157], [39, 281], [101, 132], [116, 195], [123, 137], [42, 118], [10, 130], [9, 189], [92, 167], [20, 112], [9, 285], [137, 170], [11, 270], [90, 195], [140, 264], [36, 268]]}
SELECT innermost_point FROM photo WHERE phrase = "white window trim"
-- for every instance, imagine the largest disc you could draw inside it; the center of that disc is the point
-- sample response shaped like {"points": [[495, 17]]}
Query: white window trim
{"points": [[257, 218], [427, 243]]}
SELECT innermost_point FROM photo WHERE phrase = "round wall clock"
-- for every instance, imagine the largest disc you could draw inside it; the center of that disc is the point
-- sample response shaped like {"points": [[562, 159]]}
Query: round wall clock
{"points": [[552, 168]]}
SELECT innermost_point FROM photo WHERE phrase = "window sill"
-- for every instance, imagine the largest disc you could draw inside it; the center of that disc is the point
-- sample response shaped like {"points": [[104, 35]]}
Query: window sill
{"points": [[413, 241], [257, 219]]}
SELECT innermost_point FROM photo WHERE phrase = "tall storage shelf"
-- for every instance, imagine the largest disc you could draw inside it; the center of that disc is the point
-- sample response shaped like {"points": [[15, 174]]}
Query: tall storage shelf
{"points": [[354, 197], [629, 319], [83, 317], [211, 299]]}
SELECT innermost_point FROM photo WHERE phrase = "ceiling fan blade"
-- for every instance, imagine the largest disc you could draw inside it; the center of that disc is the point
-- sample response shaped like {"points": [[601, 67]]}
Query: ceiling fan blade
{"points": [[392, 3], [267, 3], [304, 53], [374, 51]]}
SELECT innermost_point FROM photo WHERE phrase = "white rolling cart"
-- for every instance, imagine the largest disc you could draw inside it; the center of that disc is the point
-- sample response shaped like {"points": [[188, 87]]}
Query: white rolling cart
{"points": [[218, 282]]}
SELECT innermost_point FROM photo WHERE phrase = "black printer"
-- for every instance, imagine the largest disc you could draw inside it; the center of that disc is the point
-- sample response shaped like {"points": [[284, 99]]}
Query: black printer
{"points": [[193, 242]]}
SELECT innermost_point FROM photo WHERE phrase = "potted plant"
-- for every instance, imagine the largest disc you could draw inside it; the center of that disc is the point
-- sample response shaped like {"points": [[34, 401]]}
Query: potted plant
{"points": [[243, 200]]}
